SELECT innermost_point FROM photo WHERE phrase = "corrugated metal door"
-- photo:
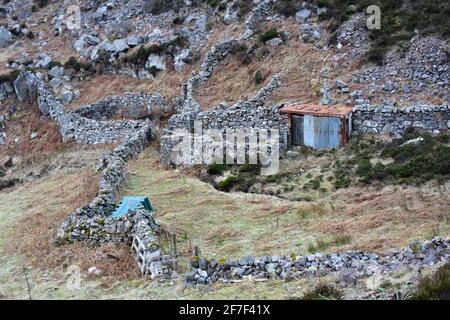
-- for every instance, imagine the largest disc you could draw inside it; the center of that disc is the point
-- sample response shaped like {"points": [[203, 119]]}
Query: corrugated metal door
{"points": [[297, 130], [321, 132]]}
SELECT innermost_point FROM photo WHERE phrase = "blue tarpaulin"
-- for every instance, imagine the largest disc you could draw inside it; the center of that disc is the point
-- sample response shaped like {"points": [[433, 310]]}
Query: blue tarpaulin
{"points": [[129, 202]]}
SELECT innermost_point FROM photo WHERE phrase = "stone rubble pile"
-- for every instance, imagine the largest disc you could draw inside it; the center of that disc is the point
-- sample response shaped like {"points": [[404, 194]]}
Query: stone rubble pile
{"points": [[424, 69], [350, 265], [255, 16]]}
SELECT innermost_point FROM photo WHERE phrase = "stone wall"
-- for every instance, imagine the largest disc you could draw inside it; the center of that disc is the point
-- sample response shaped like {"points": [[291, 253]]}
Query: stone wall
{"points": [[85, 130], [244, 114], [93, 223], [387, 119], [130, 106], [351, 264]]}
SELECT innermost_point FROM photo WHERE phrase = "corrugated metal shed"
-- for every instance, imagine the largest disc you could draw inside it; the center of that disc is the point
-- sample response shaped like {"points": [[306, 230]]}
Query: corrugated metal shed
{"points": [[319, 126]]}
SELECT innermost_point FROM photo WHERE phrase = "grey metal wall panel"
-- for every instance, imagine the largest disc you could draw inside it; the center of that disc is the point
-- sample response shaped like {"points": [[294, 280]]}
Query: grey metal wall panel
{"points": [[321, 132]]}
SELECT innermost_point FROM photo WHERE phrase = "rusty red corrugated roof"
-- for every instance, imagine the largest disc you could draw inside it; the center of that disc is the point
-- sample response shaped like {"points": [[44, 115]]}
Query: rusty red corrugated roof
{"points": [[317, 110]]}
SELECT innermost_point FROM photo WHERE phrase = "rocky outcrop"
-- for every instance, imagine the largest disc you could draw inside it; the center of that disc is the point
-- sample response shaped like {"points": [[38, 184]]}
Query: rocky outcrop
{"points": [[350, 265], [26, 87], [255, 16]]}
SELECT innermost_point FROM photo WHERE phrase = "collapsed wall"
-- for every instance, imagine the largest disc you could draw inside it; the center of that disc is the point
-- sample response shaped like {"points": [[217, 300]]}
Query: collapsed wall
{"points": [[129, 105], [385, 119], [351, 264]]}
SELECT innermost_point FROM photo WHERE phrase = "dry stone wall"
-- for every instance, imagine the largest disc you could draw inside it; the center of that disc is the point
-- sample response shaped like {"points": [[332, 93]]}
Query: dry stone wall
{"points": [[93, 223], [129, 105], [385, 119], [351, 265]]}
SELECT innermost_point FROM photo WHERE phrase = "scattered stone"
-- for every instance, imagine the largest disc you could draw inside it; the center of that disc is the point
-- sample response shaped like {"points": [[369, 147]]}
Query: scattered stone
{"points": [[120, 45], [275, 42], [156, 61], [56, 72], [95, 271], [302, 15], [5, 37]]}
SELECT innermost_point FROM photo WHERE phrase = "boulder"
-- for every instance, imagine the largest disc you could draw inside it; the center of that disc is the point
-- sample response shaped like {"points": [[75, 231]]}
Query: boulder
{"points": [[44, 62], [181, 59], [231, 14], [302, 15], [275, 42], [67, 96], [156, 61], [5, 37], [55, 82], [26, 87], [91, 40], [56, 72], [120, 45], [133, 41], [100, 13]]}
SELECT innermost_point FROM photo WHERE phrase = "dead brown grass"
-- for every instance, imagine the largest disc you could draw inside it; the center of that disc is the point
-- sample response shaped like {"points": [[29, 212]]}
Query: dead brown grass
{"points": [[387, 218], [99, 86], [31, 236], [26, 120], [232, 81]]}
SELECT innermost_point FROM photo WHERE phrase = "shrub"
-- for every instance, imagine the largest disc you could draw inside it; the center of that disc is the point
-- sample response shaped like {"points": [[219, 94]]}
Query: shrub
{"points": [[227, 184], [34, 8], [8, 77], [161, 6], [323, 291], [245, 6], [400, 19], [76, 65], [258, 77], [140, 56], [216, 168], [54, 63], [240, 50], [269, 34], [41, 3], [250, 168], [15, 31], [286, 7], [30, 34], [178, 20], [436, 287]]}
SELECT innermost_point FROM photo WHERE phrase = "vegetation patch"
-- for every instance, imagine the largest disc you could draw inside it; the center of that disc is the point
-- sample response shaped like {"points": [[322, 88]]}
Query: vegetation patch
{"points": [[415, 158], [10, 76], [76, 65], [269, 34], [435, 287], [323, 291]]}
